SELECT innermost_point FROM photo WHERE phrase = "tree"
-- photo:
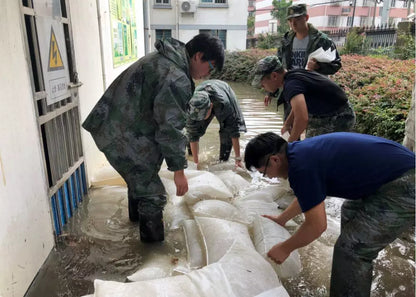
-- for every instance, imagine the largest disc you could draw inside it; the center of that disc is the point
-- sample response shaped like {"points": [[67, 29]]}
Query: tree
{"points": [[250, 25], [279, 13]]}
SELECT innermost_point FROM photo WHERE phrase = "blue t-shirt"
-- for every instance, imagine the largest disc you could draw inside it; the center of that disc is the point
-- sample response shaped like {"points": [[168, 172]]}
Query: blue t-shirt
{"points": [[346, 165], [322, 95]]}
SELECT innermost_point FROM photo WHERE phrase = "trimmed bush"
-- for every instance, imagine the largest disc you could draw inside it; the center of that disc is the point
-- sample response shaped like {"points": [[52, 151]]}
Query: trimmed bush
{"points": [[379, 88]]}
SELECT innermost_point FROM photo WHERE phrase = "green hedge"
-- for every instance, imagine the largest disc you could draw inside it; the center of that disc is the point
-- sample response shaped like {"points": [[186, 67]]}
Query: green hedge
{"points": [[379, 88]]}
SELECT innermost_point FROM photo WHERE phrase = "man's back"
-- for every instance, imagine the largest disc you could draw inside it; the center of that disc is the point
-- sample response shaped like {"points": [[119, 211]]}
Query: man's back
{"points": [[347, 165]]}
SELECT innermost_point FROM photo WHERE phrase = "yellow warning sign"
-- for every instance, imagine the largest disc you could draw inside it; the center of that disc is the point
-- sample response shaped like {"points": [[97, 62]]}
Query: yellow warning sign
{"points": [[55, 58]]}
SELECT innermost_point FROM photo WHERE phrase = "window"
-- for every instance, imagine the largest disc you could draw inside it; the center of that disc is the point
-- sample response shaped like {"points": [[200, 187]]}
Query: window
{"points": [[162, 1], [163, 34], [221, 34], [349, 21], [214, 1], [363, 21], [333, 21], [365, 2]]}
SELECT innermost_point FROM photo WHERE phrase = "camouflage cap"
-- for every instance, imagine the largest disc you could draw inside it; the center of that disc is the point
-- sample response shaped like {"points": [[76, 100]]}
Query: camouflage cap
{"points": [[199, 105], [265, 66], [296, 10]]}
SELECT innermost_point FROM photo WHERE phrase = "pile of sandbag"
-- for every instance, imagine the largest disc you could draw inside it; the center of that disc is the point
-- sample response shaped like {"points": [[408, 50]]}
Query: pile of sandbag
{"points": [[226, 238]]}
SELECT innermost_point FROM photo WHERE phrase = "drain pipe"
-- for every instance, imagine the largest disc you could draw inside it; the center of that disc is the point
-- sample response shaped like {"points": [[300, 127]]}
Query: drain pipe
{"points": [[177, 19], [100, 34], [146, 12]]}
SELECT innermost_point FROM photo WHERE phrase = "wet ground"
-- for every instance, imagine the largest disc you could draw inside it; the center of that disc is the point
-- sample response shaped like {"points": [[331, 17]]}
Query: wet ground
{"points": [[100, 242]]}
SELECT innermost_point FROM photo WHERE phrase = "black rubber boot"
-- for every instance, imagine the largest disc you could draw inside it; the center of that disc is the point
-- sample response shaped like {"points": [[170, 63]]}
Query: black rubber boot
{"points": [[133, 210], [151, 227]]}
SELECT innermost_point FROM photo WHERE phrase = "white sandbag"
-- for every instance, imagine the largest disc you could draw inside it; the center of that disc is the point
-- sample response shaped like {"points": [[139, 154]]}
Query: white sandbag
{"points": [[174, 286], [206, 186], [218, 209], [253, 208], [285, 201], [258, 195], [218, 236], [266, 234], [169, 185], [190, 172], [278, 190], [233, 181], [175, 214], [241, 272], [194, 245], [275, 292]]}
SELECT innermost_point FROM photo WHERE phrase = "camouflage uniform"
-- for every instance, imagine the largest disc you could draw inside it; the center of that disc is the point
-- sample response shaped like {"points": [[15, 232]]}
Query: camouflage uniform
{"points": [[367, 226], [225, 109], [341, 121], [138, 122]]}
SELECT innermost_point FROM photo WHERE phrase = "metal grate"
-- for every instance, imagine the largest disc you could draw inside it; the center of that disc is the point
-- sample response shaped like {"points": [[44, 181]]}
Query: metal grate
{"points": [[59, 125]]}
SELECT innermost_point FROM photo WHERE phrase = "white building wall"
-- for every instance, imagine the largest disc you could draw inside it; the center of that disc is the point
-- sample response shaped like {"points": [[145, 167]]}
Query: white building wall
{"points": [[26, 235], [95, 65], [184, 26]]}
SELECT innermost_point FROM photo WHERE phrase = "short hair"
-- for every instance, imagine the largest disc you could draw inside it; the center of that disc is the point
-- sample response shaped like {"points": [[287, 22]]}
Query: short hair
{"points": [[211, 46], [261, 146]]}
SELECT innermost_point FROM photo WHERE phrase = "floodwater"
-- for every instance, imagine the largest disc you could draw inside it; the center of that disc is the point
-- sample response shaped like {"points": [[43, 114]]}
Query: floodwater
{"points": [[100, 242]]}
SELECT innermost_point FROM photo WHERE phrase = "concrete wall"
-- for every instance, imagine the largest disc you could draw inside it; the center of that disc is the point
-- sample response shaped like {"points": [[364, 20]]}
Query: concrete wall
{"points": [[93, 54], [231, 17], [26, 236]]}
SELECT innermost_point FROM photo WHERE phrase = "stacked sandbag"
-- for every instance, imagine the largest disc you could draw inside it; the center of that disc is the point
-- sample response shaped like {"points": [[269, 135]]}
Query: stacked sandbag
{"points": [[223, 258], [241, 272], [266, 234]]}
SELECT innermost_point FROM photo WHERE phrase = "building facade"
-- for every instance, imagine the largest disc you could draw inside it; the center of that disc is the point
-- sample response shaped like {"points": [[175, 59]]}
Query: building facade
{"points": [[183, 19], [335, 14]]}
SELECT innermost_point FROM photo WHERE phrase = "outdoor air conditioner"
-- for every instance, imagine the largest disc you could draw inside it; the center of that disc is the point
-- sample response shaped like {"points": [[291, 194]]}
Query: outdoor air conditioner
{"points": [[187, 6]]}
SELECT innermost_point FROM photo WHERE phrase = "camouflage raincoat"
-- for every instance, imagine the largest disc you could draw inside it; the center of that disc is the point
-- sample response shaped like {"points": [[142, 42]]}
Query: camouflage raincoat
{"points": [[138, 121], [225, 109], [317, 39]]}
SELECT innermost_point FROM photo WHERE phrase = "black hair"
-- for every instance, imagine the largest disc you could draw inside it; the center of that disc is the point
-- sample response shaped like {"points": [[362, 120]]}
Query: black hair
{"points": [[261, 146], [210, 46]]}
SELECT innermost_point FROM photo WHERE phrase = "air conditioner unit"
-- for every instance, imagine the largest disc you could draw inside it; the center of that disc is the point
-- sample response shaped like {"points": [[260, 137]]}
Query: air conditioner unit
{"points": [[187, 6]]}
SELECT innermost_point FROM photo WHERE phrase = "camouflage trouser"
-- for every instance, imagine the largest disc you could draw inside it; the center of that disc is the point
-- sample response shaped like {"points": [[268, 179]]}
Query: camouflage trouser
{"points": [[367, 226], [225, 145], [341, 121], [225, 138], [138, 161]]}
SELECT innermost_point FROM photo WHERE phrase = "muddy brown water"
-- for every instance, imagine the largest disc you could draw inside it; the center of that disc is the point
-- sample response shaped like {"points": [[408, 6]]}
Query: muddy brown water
{"points": [[100, 242]]}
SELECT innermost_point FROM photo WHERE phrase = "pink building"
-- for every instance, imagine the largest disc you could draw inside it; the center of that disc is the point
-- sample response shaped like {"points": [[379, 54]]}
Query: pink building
{"points": [[334, 14]]}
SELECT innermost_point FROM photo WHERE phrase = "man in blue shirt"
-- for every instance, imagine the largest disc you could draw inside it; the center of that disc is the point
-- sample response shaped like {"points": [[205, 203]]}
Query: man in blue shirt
{"points": [[376, 175]]}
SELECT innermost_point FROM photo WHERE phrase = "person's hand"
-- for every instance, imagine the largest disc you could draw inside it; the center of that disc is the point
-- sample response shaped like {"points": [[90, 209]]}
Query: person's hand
{"points": [[276, 219], [312, 65], [285, 129], [278, 253], [181, 182], [239, 163], [267, 100]]}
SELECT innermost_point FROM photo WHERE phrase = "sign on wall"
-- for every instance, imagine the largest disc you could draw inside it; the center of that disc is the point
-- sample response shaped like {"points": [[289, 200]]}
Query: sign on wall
{"points": [[123, 31], [52, 49]]}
